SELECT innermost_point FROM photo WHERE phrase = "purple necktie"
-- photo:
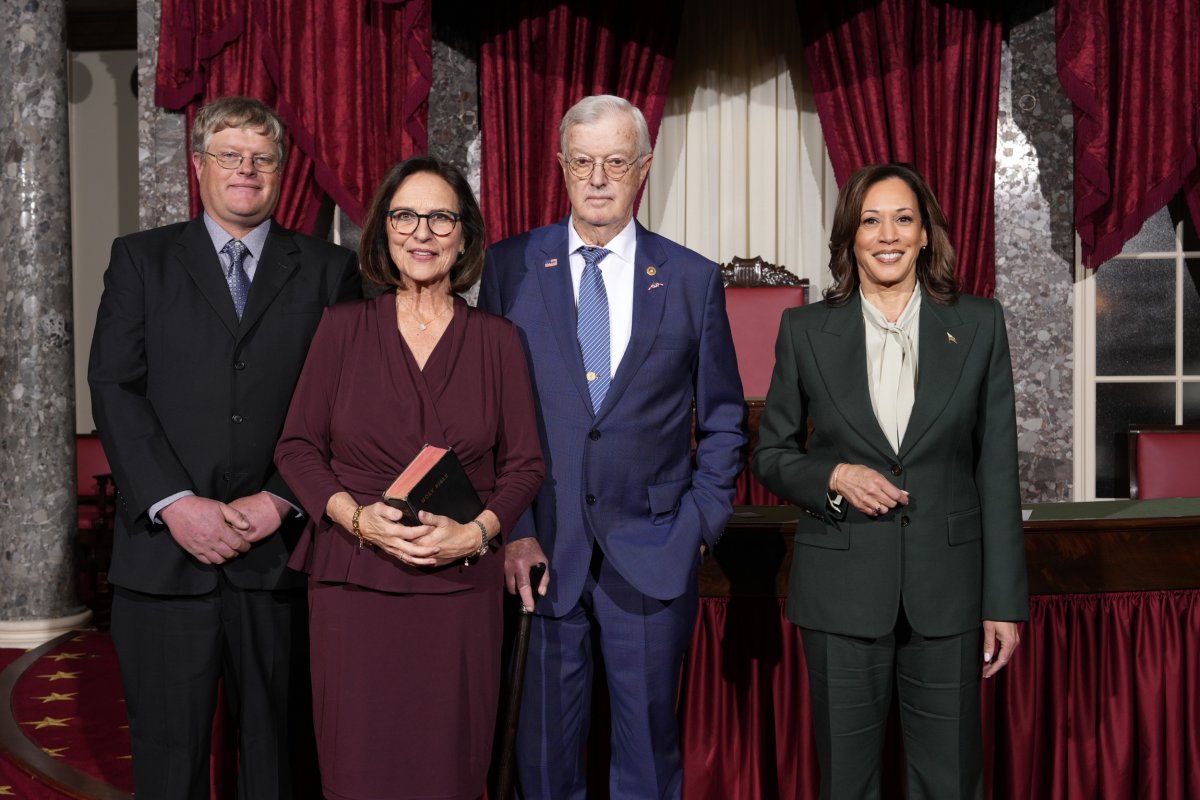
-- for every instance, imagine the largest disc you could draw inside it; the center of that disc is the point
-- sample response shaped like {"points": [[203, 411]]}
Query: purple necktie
{"points": [[235, 276]]}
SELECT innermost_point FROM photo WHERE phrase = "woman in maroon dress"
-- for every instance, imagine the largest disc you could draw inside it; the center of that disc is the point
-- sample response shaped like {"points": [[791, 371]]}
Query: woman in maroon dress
{"points": [[405, 622]]}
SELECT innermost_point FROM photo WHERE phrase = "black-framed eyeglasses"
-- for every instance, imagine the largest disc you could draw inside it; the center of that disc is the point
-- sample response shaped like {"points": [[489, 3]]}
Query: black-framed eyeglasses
{"points": [[261, 161], [615, 167], [405, 221]]}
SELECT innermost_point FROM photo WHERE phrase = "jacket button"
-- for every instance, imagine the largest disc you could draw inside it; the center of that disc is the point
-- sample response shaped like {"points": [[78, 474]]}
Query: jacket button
{"points": [[226, 476], [904, 521], [239, 365], [237, 419], [591, 499], [897, 469], [594, 434]]}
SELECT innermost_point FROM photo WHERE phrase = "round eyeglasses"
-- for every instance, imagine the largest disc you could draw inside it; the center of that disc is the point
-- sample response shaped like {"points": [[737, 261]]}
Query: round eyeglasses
{"points": [[261, 161], [614, 167], [405, 221]]}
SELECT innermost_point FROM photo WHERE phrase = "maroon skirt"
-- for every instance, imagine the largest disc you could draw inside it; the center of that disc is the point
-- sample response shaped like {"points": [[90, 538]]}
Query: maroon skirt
{"points": [[405, 689]]}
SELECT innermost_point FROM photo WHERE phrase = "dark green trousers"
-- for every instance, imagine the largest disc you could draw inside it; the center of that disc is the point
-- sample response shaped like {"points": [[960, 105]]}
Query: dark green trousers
{"points": [[851, 682]]}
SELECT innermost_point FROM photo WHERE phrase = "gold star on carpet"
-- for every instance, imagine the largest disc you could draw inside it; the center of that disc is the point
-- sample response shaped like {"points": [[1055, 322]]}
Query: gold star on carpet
{"points": [[66, 656], [54, 696], [124, 758], [61, 676], [6, 791], [54, 752], [48, 722]]}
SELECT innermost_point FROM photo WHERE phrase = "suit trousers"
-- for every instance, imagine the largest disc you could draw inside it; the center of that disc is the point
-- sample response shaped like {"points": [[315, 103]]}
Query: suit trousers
{"points": [[937, 683], [174, 650], [642, 642]]}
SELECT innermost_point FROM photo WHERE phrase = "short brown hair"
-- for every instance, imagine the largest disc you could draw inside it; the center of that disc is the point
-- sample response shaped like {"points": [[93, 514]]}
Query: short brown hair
{"points": [[374, 259], [237, 112], [935, 262]]}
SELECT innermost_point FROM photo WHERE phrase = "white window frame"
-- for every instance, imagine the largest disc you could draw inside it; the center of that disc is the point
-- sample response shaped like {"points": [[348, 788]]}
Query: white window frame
{"points": [[1084, 474]]}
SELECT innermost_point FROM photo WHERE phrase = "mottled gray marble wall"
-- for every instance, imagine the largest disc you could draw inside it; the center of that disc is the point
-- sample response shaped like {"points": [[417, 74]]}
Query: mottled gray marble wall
{"points": [[162, 135], [1035, 248], [37, 377], [454, 97]]}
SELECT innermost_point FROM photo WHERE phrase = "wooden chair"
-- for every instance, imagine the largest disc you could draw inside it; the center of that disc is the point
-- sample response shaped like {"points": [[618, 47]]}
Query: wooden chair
{"points": [[1164, 461], [756, 295]]}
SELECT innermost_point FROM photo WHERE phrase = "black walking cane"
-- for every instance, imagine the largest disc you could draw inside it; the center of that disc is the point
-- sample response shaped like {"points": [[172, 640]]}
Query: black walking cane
{"points": [[516, 683]]}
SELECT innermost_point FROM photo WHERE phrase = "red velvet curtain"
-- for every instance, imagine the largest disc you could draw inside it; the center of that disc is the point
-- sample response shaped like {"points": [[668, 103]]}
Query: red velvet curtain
{"points": [[350, 80], [915, 81], [1100, 702], [1132, 73], [537, 59]]}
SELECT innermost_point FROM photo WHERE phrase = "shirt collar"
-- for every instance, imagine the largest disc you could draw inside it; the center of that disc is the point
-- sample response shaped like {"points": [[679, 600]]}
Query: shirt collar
{"points": [[623, 245], [255, 240], [906, 318]]}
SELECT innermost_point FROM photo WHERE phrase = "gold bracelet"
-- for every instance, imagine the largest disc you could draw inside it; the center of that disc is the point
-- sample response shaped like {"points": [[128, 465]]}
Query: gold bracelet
{"points": [[833, 480], [354, 528], [483, 544]]}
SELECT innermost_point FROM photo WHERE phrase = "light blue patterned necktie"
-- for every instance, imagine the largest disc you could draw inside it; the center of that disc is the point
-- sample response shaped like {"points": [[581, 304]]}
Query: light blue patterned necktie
{"points": [[593, 325], [235, 275]]}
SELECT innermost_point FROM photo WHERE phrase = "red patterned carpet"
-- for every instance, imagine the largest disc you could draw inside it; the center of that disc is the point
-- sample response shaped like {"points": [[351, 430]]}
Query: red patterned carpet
{"points": [[63, 730]]}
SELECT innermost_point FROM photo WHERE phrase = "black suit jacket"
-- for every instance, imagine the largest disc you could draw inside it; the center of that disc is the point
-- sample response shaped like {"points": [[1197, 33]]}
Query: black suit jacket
{"points": [[187, 397]]}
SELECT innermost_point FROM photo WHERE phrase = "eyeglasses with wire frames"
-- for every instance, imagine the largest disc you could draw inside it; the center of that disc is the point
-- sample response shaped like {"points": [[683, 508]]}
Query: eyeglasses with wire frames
{"points": [[262, 162], [615, 167], [405, 221]]}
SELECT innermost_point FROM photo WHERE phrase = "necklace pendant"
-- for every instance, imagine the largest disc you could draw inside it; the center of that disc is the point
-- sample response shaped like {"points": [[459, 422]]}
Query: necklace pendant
{"points": [[421, 326]]}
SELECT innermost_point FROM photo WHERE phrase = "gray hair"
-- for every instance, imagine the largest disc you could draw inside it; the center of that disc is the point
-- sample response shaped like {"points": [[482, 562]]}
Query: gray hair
{"points": [[236, 112], [592, 109]]}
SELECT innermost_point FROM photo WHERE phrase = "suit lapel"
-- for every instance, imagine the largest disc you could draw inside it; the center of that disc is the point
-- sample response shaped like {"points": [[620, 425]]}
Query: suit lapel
{"points": [[196, 255], [278, 263], [840, 350], [550, 263], [649, 268], [945, 342]]}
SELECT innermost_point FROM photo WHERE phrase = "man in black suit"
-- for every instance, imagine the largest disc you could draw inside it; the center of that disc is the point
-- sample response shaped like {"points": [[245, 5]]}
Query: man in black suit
{"points": [[202, 330]]}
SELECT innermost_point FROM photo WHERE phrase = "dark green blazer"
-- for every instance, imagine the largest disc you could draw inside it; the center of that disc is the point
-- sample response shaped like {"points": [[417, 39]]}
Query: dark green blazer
{"points": [[954, 554]]}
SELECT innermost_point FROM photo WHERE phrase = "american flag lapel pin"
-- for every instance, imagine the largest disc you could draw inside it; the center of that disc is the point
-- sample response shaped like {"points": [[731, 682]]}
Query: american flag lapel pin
{"points": [[551, 263], [655, 285]]}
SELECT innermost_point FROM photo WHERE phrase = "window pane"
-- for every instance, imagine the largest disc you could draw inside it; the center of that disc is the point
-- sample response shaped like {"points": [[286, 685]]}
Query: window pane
{"points": [[1191, 316], [1191, 404], [1118, 405], [1156, 236], [1135, 318]]}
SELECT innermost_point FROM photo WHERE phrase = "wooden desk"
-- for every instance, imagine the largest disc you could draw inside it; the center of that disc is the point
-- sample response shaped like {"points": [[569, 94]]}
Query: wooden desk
{"points": [[1102, 546]]}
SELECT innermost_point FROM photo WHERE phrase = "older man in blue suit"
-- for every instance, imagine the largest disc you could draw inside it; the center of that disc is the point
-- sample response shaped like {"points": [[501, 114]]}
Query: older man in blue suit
{"points": [[626, 334]]}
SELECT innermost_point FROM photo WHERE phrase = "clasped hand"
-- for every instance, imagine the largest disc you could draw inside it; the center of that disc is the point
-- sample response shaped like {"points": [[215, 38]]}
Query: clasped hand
{"points": [[437, 541], [867, 490], [215, 532]]}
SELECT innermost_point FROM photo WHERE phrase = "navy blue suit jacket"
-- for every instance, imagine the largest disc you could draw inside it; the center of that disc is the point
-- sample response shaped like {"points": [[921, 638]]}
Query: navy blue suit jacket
{"points": [[625, 477]]}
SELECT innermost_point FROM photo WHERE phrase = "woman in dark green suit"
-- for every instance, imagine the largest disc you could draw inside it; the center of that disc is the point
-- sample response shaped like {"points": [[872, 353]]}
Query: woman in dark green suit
{"points": [[909, 569]]}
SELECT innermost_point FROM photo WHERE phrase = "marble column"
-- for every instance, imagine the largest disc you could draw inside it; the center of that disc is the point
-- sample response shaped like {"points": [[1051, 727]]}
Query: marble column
{"points": [[37, 386]]}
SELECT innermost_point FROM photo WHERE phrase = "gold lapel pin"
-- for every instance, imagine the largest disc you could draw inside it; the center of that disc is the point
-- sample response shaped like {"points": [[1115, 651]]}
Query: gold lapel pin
{"points": [[950, 338], [651, 271]]}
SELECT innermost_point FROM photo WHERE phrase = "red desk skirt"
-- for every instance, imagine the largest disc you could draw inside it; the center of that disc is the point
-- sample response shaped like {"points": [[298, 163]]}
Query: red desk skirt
{"points": [[1101, 700]]}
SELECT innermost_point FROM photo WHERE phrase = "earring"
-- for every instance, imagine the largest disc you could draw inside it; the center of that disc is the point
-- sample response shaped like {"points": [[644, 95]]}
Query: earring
{"points": [[462, 251]]}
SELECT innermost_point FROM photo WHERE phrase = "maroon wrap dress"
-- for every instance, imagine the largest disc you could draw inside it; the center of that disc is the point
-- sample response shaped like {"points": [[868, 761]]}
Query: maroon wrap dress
{"points": [[405, 660]]}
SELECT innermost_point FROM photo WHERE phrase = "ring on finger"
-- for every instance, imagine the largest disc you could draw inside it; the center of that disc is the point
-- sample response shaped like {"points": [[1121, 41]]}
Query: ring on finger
{"points": [[878, 510]]}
